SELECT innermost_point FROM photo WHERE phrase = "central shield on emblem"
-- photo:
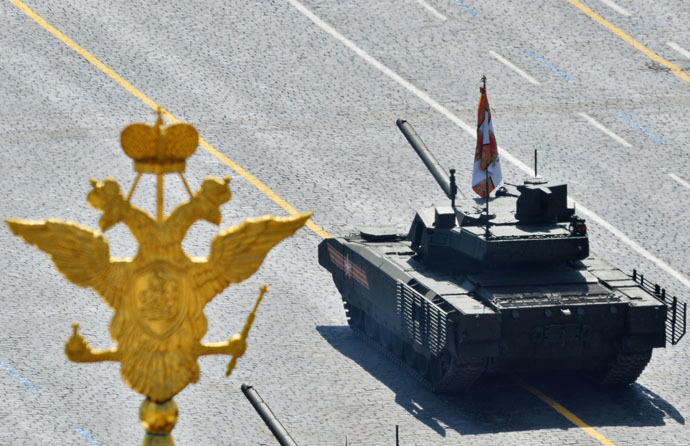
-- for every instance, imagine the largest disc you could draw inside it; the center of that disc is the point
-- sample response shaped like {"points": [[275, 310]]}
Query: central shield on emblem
{"points": [[158, 291]]}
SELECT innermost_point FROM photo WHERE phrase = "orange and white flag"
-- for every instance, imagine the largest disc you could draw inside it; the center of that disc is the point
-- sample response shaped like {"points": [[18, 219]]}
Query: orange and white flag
{"points": [[486, 153]]}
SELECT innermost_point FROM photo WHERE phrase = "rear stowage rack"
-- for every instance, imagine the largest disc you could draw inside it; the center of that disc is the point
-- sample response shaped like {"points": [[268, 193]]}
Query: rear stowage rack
{"points": [[675, 313]]}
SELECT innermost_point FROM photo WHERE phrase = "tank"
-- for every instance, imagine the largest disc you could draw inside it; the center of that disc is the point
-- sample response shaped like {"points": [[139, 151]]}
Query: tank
{"points": [[507, 284]]}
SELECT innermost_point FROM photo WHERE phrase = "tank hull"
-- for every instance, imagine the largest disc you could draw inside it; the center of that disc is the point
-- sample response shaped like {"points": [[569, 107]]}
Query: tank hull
{"points": [[452, 325]]}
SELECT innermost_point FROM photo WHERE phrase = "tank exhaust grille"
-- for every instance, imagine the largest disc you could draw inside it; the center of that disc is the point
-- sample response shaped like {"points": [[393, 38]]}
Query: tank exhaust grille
{"points": [[421, 320]]}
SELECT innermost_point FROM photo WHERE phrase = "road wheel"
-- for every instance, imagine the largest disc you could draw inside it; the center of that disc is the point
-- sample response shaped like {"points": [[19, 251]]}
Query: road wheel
{"points": [[439, 368], [422, 365], [385, 338], [354, 316], [371, 328], [624, 369], [397, 347], [408, 354], [460, 375]]}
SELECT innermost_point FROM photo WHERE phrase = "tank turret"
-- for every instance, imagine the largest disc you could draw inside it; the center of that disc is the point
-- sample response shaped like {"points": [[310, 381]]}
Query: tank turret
{"points": [[533, 226]]}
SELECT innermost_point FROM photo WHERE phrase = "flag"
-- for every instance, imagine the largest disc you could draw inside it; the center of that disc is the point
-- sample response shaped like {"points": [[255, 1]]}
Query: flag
{"points": [[486, 153]]}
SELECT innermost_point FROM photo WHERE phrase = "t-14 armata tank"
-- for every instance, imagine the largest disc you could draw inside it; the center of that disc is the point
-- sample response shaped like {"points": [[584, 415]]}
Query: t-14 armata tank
{"points": [[467, 291]]}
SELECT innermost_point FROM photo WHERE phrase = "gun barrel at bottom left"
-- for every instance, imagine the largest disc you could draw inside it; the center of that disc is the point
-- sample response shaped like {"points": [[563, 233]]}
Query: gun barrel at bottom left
{"points": [[267, 415]]}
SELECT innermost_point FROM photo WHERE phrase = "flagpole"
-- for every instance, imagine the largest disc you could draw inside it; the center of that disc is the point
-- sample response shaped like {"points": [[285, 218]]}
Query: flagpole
{"points": [[486, 233], [487, 195]]}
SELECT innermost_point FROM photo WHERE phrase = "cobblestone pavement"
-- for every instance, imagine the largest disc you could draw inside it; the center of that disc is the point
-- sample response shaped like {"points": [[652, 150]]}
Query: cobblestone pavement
{"points": [[315, 122]]}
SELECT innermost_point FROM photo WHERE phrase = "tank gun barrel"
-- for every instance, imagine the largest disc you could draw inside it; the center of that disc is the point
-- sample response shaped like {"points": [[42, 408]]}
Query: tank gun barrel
{"points": [[429, 159], [267, 415]]}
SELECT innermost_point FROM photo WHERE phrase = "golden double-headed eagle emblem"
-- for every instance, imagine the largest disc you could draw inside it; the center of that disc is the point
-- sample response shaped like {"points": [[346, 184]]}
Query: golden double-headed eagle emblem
{"points": [[158, 296]]}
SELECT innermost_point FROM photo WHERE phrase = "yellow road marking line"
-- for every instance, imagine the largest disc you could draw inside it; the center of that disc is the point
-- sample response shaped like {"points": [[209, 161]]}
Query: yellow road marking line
{"points": [[567, 414], [630, 41], [151, 103], [255, 182], [261, 186]]}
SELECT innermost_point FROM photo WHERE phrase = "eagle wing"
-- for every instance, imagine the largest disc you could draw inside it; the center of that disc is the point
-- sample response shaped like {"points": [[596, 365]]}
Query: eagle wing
{"points": [[237, 252], [79, 253]]}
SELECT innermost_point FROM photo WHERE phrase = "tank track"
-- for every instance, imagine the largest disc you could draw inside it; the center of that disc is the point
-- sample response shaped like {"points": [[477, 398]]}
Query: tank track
{"points": [[460, 374], [625, 369], [399, 362]]}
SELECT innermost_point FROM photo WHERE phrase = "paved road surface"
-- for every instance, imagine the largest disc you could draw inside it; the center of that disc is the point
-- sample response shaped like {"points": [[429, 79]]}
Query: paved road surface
{"points": [[314, 121]]}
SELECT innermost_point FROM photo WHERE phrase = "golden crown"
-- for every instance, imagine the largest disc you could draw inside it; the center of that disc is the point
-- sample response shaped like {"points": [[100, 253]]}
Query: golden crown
{"points": [[155, 149]]}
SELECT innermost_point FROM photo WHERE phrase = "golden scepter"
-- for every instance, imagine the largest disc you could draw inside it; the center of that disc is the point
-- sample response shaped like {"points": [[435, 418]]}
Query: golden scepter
{"points": [[245, 330]]}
